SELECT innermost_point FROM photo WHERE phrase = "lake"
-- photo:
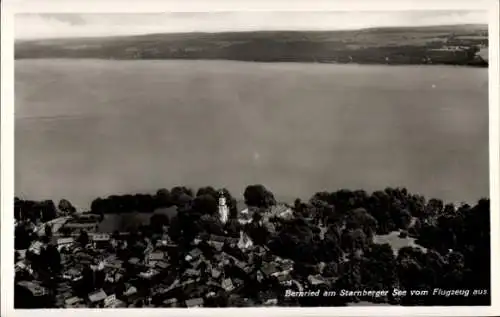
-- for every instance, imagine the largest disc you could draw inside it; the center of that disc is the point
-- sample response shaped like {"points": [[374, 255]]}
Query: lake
{"points": [[90, 128]]}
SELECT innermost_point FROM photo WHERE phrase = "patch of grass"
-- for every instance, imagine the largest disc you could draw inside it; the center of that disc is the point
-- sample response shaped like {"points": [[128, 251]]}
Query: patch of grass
{"points": [[396, 242]]}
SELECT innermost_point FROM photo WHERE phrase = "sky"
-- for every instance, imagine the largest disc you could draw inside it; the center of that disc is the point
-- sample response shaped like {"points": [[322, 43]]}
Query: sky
{"points": [[39, 26]]}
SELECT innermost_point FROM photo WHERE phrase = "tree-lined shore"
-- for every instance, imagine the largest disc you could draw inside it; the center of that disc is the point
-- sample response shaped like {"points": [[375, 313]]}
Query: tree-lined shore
{"points": [[441, 45]]}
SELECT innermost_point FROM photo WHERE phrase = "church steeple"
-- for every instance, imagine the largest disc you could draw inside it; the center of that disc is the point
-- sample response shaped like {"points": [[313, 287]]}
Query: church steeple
{"points": [[223, 209]]}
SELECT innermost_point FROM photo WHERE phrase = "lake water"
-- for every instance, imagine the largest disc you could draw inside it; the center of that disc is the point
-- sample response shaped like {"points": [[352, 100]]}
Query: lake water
{"points": [[89, 128]]}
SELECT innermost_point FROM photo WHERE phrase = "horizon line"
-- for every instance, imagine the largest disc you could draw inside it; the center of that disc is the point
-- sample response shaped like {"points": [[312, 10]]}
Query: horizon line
{"points": [[249, 31]]}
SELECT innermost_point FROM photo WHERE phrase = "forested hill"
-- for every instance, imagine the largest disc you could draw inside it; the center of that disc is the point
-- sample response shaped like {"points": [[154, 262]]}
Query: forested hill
{"points": [[458, 45]]}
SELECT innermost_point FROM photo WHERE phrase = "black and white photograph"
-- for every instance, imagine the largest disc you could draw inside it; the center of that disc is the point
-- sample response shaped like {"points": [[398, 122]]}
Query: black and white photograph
{"points": [[259, 159]]}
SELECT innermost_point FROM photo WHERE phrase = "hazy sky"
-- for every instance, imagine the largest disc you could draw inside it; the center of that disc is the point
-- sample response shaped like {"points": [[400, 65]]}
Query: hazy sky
{"points": [[33, 26]]}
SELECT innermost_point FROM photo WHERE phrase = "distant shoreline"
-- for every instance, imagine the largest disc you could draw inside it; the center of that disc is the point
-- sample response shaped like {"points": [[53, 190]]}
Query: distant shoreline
{"points": [[477, 65], [444, 45]]}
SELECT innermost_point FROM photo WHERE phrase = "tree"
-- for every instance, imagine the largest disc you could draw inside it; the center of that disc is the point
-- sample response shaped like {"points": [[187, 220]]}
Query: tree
{"points": [[354, 240], [47, 210], [208, 190], [258, 196], [83, 238], [66, 207], [51, 258], [181, 195], [379, 267], [157, 221], [48, 230], [22, 238], [233, 228], [163, 198], [205, 204], [360, 219]]}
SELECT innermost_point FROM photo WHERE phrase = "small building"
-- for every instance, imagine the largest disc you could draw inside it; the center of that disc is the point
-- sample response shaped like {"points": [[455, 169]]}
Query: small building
{"points": [[72, 274], [316, 280], [148, 274], [97, 297], [20, 266], [271, 302], [130, 291], [100, 240], [162, 265], [194, 254], [34, 288], [110, 301], [217, 245], [156, 256], [227, 284], [72, 302], [170, 302], [36, 247], [65, 242], [134, 261], [194, 302], [216, 273], [269, 269], [192, 272]]}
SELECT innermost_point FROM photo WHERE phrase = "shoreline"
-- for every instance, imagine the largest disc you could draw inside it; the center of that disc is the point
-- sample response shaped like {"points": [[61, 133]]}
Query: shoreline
{"points": [[485, 65]]}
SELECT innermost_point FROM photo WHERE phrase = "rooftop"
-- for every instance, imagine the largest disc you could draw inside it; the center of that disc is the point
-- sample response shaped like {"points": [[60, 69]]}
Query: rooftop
{"points": [[97, 296]]}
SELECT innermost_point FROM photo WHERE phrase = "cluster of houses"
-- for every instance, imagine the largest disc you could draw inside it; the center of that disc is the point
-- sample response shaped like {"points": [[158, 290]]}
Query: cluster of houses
{"points": [[160, 278], [158, 282]]}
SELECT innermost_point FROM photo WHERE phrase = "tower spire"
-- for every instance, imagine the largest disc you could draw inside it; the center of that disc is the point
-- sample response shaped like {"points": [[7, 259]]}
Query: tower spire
{"points": [[223, 209]]}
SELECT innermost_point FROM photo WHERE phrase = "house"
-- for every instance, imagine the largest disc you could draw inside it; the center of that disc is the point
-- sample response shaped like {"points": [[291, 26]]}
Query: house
{"points": [[97, 297], [216, 273], [170, 302], [192, 272], [195, 302], [223, 239], [113, 276], [100, 240], [244, 242], [194, 254], [286, 266], [134, 261], [269, 269], [227, 284], [316, 280], [20, 266], [34, 288], [282, 211], [72, 301], [271, 302], [162, 265], [245, 216], [130, 291], [148, 274], [36, 247], [72, 274], [283, 278], [22, 254], [110, 301], [217, 245], [113, 264], [65, 242], [155, 256]]}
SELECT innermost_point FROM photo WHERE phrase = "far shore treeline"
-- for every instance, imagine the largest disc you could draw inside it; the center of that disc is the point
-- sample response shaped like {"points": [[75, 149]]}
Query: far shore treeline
{"points": [[443, 45], [457, 238]]}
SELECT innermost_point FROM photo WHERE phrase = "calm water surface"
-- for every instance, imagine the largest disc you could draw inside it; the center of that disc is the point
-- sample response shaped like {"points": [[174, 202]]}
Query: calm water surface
{"points": [[89, 128]]}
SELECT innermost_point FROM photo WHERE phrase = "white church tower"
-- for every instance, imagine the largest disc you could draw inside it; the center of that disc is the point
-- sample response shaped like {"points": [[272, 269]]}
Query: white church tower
{"points": [[223, 209]]}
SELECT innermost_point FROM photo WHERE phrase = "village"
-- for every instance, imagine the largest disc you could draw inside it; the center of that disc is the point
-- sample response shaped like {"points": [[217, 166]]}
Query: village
{"points": [[99, 269]]}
